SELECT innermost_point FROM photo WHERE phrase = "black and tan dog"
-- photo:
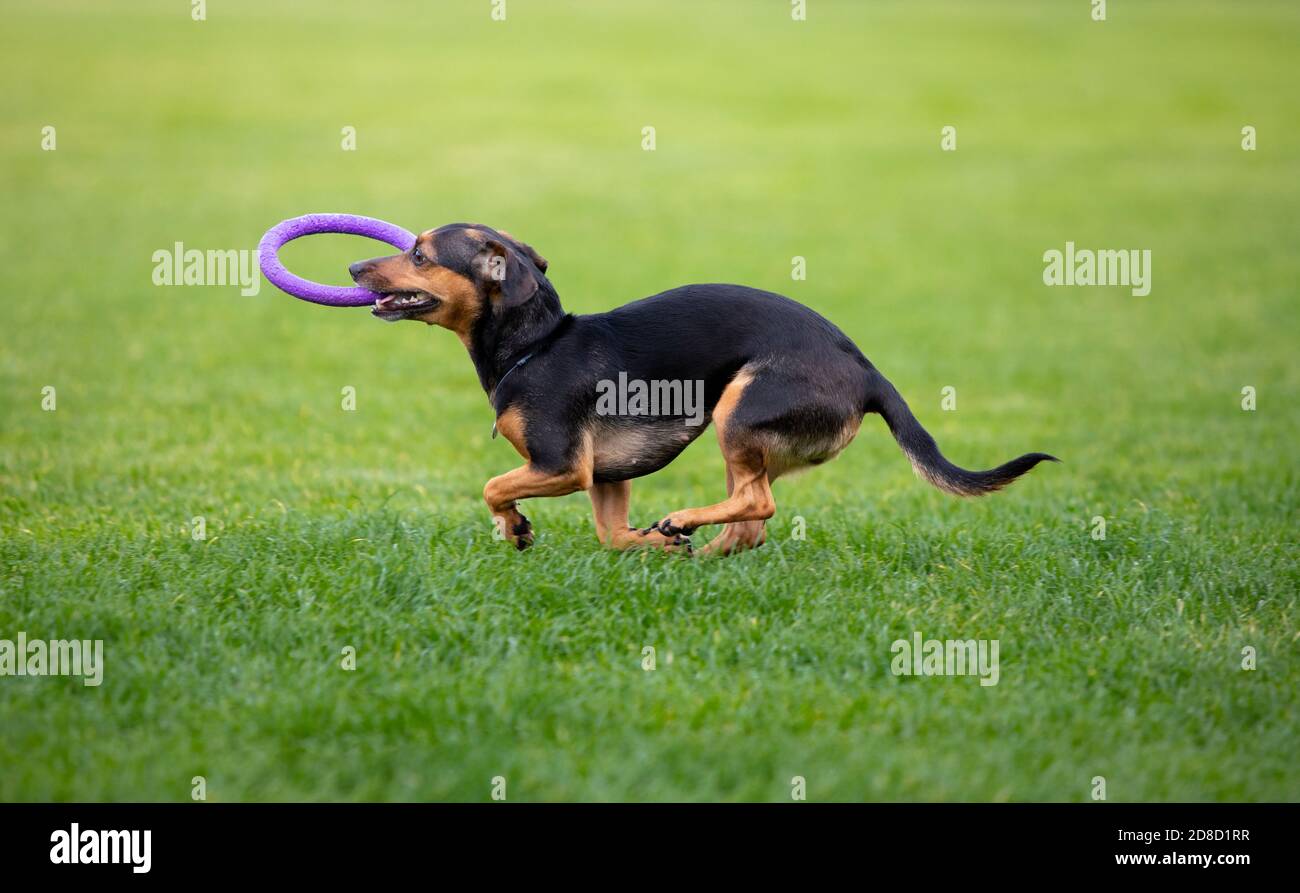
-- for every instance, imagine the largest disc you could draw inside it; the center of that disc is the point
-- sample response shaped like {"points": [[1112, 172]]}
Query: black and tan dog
{"points": [[783, 386]]}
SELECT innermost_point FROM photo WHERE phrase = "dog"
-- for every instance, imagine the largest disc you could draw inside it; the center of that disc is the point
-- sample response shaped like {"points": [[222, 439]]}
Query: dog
{"points": [[783, 386]]}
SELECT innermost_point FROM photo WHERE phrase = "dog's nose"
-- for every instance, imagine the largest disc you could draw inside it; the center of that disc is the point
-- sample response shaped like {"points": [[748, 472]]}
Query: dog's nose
{"points": [[360, 268]]}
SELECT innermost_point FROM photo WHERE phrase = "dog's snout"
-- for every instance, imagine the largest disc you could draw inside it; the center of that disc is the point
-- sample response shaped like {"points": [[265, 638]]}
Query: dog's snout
{"points": [[360, 268]]}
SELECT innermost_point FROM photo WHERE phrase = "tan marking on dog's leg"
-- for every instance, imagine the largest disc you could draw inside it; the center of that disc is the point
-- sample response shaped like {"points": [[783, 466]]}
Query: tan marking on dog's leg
{"points": [[751, 496], [727, 403], [512, 426], [738, 535], [752, 500], [503, 492], [609, 503]]}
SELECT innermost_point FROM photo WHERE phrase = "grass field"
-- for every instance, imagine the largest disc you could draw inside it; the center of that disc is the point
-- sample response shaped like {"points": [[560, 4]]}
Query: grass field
{"points": [[326, 528]]}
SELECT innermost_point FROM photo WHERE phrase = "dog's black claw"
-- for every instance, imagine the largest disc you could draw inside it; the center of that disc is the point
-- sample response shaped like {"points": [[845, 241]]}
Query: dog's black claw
{"points": [[668, 528], [523, 533]]}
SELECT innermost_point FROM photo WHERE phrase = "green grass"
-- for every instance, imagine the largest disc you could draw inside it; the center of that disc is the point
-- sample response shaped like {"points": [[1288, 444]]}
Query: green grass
{"points": [[1119, 658]]}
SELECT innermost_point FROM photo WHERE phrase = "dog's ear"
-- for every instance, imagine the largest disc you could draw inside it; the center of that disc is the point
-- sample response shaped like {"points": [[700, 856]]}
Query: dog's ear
{"points": [[538, 261], [508, 278]]}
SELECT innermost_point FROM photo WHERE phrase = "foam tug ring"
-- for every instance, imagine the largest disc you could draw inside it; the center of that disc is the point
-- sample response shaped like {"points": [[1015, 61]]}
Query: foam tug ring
{"points": [[268, 253]]}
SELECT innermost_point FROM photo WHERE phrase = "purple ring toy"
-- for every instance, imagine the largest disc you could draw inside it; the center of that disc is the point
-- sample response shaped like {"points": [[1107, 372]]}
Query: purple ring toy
{"points": [[311, 224]]}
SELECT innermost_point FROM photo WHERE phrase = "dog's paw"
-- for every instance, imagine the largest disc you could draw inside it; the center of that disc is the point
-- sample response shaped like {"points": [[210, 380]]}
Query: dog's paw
{"points": [[521, 533], [514, 528], [667, 528], [675, 542]]}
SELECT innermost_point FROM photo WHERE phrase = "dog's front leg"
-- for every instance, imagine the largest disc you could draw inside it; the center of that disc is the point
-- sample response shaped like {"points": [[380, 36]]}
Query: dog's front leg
{"points": [[609, 503], [503, 492]]}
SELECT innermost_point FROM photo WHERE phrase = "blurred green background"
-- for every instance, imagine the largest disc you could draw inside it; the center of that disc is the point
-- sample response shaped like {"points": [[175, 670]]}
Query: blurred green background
{"points": [[775, 138]]}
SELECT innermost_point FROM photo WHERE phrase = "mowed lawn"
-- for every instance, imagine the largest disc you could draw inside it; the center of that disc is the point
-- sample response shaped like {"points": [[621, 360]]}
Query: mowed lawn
{"points": [[774, 139]]}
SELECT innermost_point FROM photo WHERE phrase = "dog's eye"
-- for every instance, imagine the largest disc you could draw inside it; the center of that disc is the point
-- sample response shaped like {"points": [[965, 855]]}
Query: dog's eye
{"points": [[417, 256]]}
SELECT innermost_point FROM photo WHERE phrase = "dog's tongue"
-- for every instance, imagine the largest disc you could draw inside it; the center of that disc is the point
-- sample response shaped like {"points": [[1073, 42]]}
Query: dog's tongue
{"points": [[384, 300]]}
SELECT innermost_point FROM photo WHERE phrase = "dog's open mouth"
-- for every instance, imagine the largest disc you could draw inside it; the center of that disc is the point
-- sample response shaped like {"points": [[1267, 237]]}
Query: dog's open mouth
{"points": [[403, 304]]}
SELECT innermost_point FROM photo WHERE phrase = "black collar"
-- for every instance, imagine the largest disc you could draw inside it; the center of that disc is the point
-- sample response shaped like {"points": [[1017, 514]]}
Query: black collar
{"points": [[524, 359]]}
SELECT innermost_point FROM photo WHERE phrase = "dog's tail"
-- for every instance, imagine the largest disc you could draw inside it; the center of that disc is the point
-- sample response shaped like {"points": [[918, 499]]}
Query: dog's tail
{"points": [[923, 452]]}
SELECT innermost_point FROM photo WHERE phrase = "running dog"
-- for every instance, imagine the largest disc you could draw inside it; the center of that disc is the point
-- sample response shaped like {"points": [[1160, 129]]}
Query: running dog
{"points": [[783, 386]]}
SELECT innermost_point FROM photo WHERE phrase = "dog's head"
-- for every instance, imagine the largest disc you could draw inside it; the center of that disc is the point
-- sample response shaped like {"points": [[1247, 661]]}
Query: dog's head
{"points": [[452, 276]]}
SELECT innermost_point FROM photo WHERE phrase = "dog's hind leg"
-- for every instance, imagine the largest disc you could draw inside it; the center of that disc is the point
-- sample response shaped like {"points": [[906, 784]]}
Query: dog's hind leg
{"points": [[776, 416], [609, 504], [751, 499], [745, 453], [738, 535]]}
